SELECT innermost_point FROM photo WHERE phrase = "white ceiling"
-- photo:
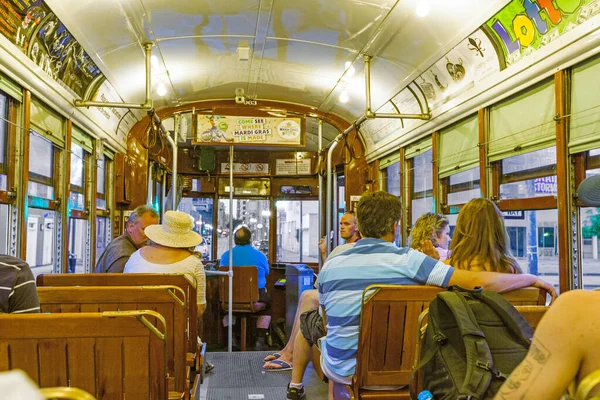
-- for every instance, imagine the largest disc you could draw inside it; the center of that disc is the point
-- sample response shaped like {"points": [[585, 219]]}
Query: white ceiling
{"points": [[299, 49]]}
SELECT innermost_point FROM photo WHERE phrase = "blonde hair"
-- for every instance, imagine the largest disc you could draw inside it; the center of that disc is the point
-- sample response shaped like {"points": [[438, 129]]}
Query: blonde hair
{"points": [[480, 239], [427, 227]]}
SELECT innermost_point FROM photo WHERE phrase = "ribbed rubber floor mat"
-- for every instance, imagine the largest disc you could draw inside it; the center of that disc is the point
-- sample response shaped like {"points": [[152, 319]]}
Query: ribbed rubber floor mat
{"points": [[246, 394], [239, 376]]}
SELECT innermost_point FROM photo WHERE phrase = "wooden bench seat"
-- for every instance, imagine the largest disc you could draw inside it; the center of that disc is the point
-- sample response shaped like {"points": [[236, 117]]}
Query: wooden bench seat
{"points": [[112, 355], [137, 280], [168, 301]]}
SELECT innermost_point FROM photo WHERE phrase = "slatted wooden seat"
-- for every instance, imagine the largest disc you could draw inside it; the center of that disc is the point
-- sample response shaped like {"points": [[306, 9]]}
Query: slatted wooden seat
{"points": [[387, 340], [533, 314], [135, 280], [245, 296], [529, 296], [168, 301], [112, 355]]}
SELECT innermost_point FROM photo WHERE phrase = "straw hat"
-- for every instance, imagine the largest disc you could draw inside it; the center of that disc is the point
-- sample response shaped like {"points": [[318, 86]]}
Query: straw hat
{"points": [[175, 231]]}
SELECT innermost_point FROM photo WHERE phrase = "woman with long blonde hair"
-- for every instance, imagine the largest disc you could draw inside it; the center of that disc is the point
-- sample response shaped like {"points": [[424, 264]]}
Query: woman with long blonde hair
{"points": [[480, 242], [433, 227]]}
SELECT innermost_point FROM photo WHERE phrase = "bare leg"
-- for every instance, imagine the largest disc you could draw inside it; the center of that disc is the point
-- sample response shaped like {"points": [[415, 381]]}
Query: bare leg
{"points": [[302, 356], [308, 300], [330, 392]]}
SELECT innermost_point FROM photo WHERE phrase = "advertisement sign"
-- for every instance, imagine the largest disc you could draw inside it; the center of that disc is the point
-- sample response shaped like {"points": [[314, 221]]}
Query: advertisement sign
{"points": [[293, 167], [524, 26], [546, 185], [513, 214], [248, 131], [37, 32]]}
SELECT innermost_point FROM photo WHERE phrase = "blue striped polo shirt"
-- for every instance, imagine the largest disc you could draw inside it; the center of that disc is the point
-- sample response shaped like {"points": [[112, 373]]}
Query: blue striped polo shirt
{"points": [[345, 276]]}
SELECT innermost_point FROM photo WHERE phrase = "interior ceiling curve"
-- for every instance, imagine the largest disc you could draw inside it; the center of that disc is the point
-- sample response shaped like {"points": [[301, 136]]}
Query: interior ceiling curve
{"points": [[305, 52]]}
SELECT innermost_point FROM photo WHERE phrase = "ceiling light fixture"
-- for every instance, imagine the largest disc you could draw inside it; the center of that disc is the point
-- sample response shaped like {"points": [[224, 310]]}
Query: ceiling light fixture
{"points": [[161, 90], [350, 71], [344, 97], [422, 9]]}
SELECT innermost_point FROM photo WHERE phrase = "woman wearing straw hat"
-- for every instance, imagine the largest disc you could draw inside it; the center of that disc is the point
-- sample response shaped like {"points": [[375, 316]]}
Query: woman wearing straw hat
{"points": [[171, 250]]}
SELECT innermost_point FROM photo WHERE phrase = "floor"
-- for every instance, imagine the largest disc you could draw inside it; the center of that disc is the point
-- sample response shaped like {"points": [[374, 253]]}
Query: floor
{"points": [[239, 376]]}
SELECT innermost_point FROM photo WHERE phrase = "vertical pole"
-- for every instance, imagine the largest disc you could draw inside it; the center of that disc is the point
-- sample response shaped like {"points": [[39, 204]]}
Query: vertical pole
{"points": [[163, 199], [532, 249], [482, 117], [328, 204], [403, 197], [301, 231], [438, 201], [320, 143], [230, 311], [334, 206], [569, 270], [63, 169], [24, 163], [150, 190]]}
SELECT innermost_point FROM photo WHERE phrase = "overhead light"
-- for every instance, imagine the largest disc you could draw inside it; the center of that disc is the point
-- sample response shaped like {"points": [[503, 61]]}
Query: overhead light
{"points": [[422, 8], [243, 50], [313, 115], [344, 97], [161, 90], [350, 71]]}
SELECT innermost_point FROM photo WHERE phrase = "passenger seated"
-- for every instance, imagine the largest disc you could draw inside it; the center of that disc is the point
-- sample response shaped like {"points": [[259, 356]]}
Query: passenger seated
{"points": [[376, 259], [18, 294], [171, 251], [244, 255], [433, 227], [117, 253], [480, 241], [309, 300], [564, 350]]}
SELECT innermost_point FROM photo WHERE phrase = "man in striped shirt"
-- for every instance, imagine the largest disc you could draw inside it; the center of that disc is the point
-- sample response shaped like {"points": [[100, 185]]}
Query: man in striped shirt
{"points": [[17, 287], [376, 259]]}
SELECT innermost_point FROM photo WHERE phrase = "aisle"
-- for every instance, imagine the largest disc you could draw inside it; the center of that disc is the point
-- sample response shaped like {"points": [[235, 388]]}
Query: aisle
{"points": [[239, 376]]}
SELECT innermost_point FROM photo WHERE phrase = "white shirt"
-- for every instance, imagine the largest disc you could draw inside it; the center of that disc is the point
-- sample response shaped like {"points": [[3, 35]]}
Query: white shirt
{"points": [[191, 267]]}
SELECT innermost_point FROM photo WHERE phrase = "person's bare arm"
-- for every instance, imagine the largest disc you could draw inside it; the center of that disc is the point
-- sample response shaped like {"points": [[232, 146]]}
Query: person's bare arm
{"points": [[555, 356], [499, 282], [427, 248], [323, 249]]}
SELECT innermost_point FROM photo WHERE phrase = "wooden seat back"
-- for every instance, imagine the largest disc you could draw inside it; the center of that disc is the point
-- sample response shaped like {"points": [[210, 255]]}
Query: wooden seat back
{"points": [[530, 296], [387, 334], [245, 290], [533, 314], [113, 355], [168, 301], [135, 280]]}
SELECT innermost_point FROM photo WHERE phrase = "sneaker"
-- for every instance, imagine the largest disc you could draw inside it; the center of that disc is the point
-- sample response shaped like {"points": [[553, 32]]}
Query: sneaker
{"points": [[295, 393]]}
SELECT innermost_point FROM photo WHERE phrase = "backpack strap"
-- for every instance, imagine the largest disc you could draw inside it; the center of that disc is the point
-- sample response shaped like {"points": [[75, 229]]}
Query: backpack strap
{"points": [[508, 314], [480, 365]]}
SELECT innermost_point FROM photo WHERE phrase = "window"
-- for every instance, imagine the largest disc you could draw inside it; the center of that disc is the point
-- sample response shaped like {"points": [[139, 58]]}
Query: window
{"points": [[298, 231], [590, 230], [41, 167], [533, 241], [463, 186], [77, 193], [253, 213], [102, 235], [101, 184], [529, 175], [41, 248], [422, 200], [201, 209], [78, 234], [392, 179]]}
